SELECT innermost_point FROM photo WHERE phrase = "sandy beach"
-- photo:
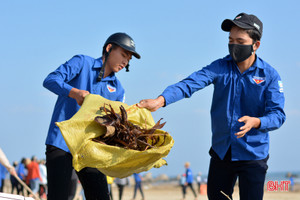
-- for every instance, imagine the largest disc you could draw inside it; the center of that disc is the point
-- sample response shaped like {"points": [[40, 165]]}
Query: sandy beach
{"points": [[172, 192]]}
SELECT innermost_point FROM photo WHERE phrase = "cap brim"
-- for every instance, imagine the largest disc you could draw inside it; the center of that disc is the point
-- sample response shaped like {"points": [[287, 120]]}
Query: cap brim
{"points": [[134, 53], [228, 23]]}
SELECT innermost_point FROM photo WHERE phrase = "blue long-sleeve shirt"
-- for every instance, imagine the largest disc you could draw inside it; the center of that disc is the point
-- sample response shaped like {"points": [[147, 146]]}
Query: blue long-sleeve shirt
{"points": [[21, 171], [257, 92], [189, 176], [79, 72]]}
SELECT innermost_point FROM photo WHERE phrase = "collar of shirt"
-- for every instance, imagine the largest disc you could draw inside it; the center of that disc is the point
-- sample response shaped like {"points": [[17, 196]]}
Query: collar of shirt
{"points": [[257, 64], [98, 65]]}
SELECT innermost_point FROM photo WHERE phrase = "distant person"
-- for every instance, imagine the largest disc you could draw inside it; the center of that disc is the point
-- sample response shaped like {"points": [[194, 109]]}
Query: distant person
{"points": [[292, 182], [199, 180], [43, 183], [33, 178], [110, 181], [189, 178], [72, 81], [121, 183], [247, 103], [4, 167], [138, 185], [22, 173], [182, 185], [14, 182], [3, 172]]}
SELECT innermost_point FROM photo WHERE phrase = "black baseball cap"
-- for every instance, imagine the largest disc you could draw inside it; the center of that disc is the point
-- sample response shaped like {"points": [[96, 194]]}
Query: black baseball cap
{"points": [[243, 21]]}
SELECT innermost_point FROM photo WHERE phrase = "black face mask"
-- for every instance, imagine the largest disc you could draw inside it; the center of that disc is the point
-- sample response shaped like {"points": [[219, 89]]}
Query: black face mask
{"points": [[240, 52]]}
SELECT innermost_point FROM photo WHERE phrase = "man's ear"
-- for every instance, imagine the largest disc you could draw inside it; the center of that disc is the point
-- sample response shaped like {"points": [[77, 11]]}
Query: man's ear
{"points": [[256, 45], [108, 47]]}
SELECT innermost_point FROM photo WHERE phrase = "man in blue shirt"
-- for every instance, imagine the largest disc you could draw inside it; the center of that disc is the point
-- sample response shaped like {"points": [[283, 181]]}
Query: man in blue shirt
{"points": [[247, 103], [72, 81], [189, 179], [138, 185]]}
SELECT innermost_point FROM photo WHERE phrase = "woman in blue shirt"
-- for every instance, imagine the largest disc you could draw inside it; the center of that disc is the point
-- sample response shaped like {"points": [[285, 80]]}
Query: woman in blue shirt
{"points": [[247, 103], [72, 81]]}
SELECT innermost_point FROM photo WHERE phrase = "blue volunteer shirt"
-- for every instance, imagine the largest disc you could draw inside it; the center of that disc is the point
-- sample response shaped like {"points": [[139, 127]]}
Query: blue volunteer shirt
{"points": [[137, 178], [258, 92], [79, 72], [189, 176]]}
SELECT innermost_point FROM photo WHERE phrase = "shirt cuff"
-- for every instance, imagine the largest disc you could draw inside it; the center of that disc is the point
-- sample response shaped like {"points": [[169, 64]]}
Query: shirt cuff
{"points": [[263, 123], [165, 104], [67, 89]]}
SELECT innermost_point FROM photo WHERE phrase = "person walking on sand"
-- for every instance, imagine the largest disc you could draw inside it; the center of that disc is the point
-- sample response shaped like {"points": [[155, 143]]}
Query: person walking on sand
{"points": [[199, 180], [247, 103], [121, 183], [138, 185], [72, 81], [182, 185], [189, 178], [33, 178]]}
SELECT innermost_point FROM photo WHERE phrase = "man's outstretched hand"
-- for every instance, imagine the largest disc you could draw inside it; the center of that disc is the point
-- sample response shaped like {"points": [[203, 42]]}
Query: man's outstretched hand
{"points": [[152, 104]]}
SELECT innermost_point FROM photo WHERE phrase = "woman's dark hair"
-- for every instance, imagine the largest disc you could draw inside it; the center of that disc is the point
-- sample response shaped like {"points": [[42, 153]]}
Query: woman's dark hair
{"points": [[253, 34]]}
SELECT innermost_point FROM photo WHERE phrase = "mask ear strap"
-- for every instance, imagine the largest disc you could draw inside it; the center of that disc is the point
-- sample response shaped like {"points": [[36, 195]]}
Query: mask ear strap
{"points": [[103, 67]]}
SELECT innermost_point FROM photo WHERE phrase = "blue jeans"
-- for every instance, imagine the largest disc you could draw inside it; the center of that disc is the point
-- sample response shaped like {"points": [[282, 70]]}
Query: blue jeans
{"points": [[34, 185]]}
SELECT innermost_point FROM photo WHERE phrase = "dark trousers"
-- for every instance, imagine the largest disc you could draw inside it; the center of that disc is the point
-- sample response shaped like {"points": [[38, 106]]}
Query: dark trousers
{"points": [[183, 187], [138, 185], [223, 174], [59, 173], [121, 188], [2, 185], [190, 185]]}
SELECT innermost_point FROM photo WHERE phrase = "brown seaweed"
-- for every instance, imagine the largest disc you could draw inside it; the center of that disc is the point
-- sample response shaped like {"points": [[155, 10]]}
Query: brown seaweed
{"points": [[123, 133]]}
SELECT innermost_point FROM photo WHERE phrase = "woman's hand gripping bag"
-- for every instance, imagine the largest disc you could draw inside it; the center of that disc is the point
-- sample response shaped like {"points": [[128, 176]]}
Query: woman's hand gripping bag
{"points": [[81, 129]]}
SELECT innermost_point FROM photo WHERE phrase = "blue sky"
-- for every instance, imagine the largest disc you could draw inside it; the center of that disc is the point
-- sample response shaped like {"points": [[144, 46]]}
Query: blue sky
{"points": [[174, 38]]}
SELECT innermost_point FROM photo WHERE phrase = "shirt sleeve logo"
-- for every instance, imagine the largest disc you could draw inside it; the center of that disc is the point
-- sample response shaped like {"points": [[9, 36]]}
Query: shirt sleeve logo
{"points": [[280, 86], [111, 88], [258, 80]]}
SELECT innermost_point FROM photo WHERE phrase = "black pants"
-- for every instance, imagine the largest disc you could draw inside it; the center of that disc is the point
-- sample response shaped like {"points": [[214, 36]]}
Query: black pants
{"points": [[59, 173], [121, 188], [183, 188], [190, 185], [223, 174]]}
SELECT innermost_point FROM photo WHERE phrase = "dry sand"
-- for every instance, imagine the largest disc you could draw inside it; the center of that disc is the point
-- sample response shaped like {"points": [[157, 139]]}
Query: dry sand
{"points": [[169, 192], [173, 192]]}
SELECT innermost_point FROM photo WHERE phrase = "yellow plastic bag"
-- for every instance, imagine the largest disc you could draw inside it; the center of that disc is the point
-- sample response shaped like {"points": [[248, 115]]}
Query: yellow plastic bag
{"points": [[79, 131]]}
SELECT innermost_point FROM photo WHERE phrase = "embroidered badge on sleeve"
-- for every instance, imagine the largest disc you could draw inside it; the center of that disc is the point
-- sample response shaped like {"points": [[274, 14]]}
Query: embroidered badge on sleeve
{"points": [[280, 86]]}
